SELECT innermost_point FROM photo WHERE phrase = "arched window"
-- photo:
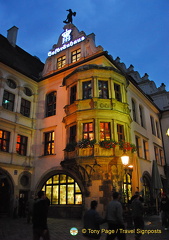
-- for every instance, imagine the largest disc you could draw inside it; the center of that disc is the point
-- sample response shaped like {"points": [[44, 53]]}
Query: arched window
{"points": [[63, 189], [134, 110], [51, 104], [11, 83]]}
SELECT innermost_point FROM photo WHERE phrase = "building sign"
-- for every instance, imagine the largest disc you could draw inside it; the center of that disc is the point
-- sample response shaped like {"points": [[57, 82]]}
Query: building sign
{"points": [[66, 36], [66, 41]]}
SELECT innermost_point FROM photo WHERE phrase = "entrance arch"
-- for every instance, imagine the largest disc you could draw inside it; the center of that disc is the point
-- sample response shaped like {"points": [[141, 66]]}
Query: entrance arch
{"points": [[6, 192], [65, 192]]}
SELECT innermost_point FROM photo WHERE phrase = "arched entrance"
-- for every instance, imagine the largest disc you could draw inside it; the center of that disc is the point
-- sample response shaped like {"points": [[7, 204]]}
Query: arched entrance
{"points": [[65, 194], [6, 193]]}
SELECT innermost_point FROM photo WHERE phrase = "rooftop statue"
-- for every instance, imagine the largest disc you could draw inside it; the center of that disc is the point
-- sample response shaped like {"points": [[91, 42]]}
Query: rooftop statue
{"points": [[69, 16]]}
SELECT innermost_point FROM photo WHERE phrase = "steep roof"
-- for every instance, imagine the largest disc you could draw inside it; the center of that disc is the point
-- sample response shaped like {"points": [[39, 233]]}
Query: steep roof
{"points": [[20, 60]]}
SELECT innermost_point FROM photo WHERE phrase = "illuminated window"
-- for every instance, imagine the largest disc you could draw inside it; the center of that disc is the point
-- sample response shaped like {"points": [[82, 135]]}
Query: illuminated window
{"points": [[145, 149], [4, 140], [25, 107], [49, 143], [51, 104], [61, 61], [120, 132], [88, 131], [162, 160], [103, 89], [11, 83], [72, 134], [21, 145], [156, 154], [8, 100], [117, 90], [75, 55], [73, 94], [104, 131], [87, 90], [62, 189], [127, 188]]}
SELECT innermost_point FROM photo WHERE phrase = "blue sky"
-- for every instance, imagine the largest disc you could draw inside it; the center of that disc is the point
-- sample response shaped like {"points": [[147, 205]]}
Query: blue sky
{"points": [[137, 31]]}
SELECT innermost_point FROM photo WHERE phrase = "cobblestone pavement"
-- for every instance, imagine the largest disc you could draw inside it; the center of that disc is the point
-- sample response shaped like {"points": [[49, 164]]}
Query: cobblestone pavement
{"points": [[18, 229]]}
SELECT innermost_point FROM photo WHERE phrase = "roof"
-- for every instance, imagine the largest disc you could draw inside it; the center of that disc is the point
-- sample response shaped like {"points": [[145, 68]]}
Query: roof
{"points": [[20, 60]]}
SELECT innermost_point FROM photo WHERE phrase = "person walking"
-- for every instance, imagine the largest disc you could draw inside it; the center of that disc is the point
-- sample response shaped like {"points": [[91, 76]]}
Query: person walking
{"points": [[164, 209], [137, 215], [114, 218], [39, 218], [92, 221]]}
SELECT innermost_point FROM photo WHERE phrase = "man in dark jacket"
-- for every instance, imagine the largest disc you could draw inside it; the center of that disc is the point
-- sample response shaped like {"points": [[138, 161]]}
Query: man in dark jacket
{"points": [[92, 221], [164, 209], [137, 215], [39, 219]]}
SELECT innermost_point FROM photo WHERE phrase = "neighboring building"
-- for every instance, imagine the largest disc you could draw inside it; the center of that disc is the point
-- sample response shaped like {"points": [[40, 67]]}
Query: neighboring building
{"points": [[19, 75], [63, 129]]}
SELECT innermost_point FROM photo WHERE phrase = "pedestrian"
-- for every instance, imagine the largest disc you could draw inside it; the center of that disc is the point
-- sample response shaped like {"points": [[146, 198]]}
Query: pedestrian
{"points": [[92, 221], [137, 215], [39, 218], [114, 218], [15, 207], [164, 209]]}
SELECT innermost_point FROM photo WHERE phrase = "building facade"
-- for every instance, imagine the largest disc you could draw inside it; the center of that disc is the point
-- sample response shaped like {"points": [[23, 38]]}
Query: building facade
{"points": [[66, 124]]}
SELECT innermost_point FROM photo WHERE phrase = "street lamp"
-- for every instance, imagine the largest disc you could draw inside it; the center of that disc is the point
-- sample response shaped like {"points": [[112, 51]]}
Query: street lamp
{"points": [[125, 159], [127, 177]]}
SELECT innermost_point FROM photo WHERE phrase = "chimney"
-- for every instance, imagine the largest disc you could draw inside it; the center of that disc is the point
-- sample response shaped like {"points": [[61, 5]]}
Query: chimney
{"points": [[12, 35]]}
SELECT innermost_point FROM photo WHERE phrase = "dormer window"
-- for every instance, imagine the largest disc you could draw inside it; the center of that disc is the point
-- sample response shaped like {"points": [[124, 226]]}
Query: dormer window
{"points": [[75, 55], [61, 61]]}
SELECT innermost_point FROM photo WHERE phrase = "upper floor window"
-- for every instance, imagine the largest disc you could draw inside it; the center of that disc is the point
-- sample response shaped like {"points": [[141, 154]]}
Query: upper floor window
{"points": [[138, 144], [145, 149], [120, 132], [61, 61], [51, 104], [134, 110], [8, 100], [88, 131], [49, 143], [75, 55], [105, 131], [62, 189], [162, 160], [156, 154], [4, 140], [21, 145], [117, 90], [11, 83], [73, 90], [152, 125], [141, 115], [27, 91], [87, 90], [158, 129], [72, 134], [103, 89], [25, 107]]}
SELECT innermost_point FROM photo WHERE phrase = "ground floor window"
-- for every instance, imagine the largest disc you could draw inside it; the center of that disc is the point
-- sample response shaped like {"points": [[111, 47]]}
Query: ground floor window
{"points": [[127, 188], [62, 189]]}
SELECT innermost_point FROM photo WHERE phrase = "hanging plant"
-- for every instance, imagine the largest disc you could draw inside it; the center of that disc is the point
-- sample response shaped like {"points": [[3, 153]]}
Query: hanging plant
{"points": [[126, 146], [108, 144], [86, 143], [70, 147]]}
